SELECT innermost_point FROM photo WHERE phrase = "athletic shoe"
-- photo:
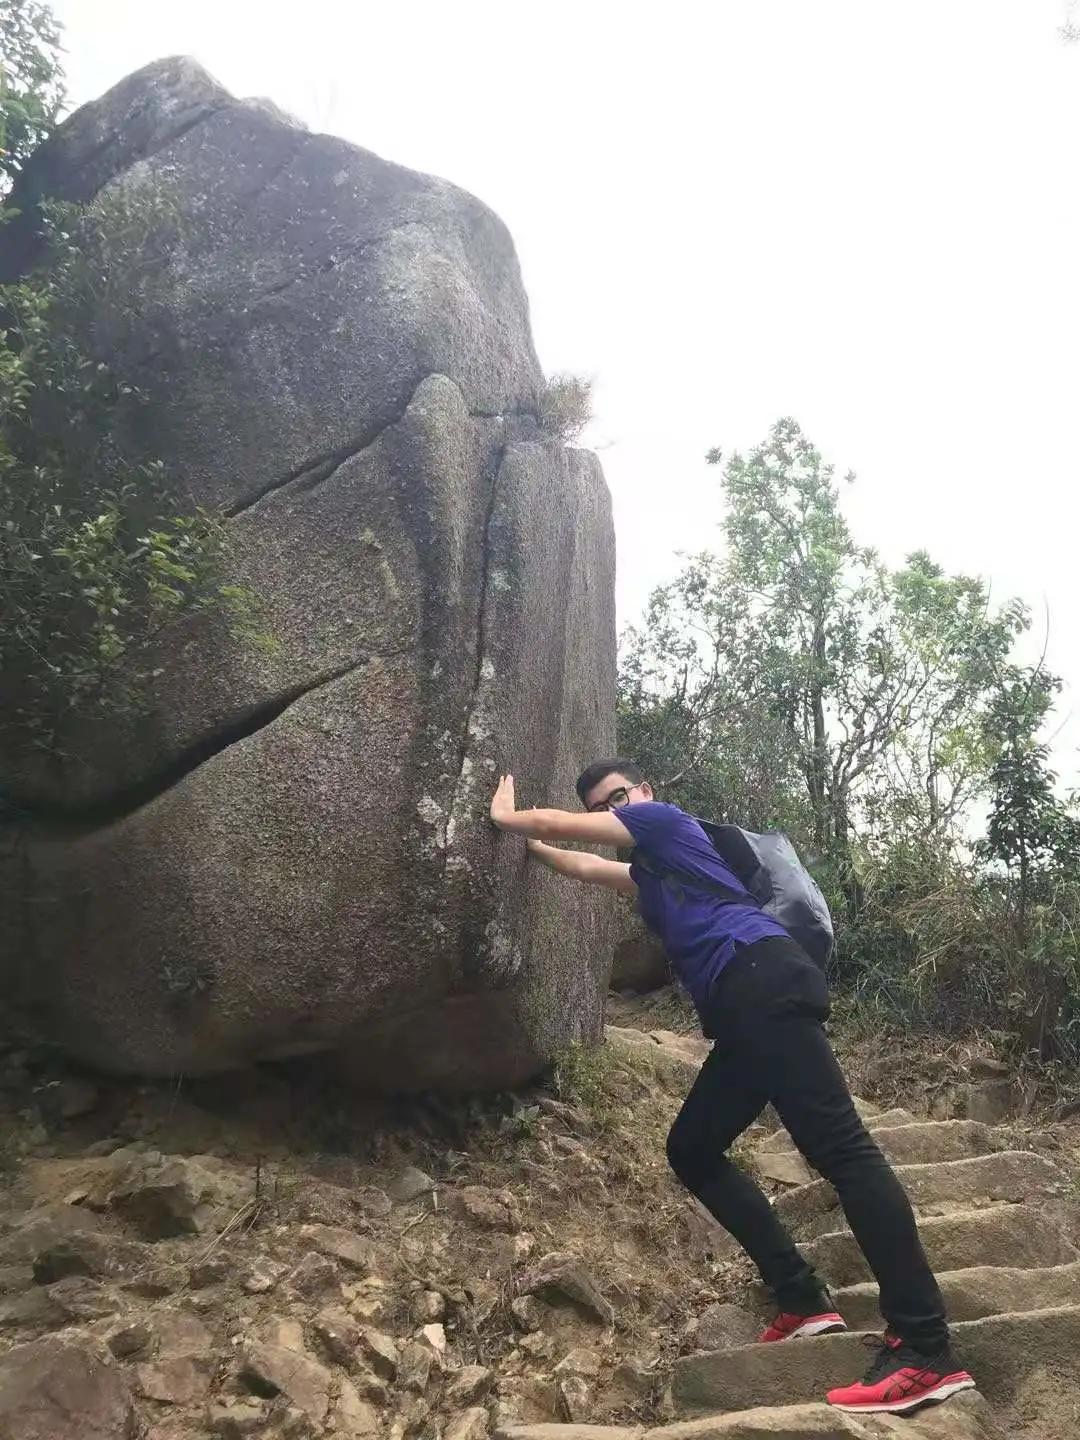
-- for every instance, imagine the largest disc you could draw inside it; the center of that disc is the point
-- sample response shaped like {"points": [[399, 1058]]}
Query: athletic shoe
{"points": [[787, 1326], [902, 1379]]}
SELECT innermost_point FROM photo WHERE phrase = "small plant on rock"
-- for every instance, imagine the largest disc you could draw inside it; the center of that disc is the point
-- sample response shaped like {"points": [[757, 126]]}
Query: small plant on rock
{"points": [[566, 406], [97, 552]]}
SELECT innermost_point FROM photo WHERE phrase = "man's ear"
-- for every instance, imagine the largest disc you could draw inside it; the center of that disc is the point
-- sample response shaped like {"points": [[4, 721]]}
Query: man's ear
{"points": [[647, 790]]}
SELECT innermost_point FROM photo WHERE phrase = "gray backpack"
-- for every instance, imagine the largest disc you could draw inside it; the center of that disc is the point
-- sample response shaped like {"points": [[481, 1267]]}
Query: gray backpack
{"points": [[776, 879]]}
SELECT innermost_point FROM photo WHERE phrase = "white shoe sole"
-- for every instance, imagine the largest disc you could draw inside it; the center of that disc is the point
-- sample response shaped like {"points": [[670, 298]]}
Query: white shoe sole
{"points": [[898, 1407], [817, 1327]]}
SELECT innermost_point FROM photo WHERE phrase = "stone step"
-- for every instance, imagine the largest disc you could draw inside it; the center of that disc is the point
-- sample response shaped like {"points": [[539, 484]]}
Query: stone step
{"points": [[1011, 1175], [874, 1120], [971, 1294], [786, 1167], [1025, 1237], [770, 1122], [967, 1417], [917, 1143], [1001, 1351]]}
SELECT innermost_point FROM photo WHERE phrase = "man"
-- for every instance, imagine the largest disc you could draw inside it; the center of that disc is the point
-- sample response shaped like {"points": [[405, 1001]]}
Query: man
{"points": [[762, 1000]]}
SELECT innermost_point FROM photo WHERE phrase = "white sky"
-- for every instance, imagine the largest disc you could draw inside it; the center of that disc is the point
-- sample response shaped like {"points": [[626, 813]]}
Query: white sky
{"points": [[863, 214]]}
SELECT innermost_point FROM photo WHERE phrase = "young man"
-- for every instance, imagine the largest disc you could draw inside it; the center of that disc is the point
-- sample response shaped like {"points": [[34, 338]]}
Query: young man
{"points": [[762, 1000]]}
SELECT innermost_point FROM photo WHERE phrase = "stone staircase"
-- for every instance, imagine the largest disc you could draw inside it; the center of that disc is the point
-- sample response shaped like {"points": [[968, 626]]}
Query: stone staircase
{"points": [[1001, 1227]]}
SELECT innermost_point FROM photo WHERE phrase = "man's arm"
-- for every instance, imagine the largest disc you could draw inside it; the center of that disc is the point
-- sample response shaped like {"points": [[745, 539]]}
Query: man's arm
{"points": [[602, 829], [593, 869]]}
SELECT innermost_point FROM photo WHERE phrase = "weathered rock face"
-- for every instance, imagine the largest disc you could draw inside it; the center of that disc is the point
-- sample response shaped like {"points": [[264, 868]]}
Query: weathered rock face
{"points": [[54, 1389], [639, 961], [291, 850]]}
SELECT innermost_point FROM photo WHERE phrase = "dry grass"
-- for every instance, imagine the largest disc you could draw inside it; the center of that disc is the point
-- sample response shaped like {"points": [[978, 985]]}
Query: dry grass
{"points": [[566, 406]]}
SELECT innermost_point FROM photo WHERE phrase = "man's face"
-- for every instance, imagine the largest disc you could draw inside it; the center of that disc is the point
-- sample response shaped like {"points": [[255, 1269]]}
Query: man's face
{"points": [[614, 791]]}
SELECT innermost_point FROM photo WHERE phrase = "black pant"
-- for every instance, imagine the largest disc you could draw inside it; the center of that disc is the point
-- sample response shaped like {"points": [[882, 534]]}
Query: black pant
{"points": [[767, 1011]]}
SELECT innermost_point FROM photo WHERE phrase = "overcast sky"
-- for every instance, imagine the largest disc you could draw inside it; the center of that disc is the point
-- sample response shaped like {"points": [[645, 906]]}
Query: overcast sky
{"points": [[862, 214]]}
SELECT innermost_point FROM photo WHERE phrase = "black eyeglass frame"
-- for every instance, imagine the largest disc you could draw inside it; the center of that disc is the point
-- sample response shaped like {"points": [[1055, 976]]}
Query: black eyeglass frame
{"points": [[610, 803]]}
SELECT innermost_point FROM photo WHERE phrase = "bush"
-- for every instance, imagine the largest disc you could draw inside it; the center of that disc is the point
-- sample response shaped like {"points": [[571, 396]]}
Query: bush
{"points": [[566, 406], [936, 946], [31, 82]]}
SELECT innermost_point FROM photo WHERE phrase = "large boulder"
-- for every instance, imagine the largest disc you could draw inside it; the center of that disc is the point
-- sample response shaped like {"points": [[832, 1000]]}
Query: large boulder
{"points": [[639, 960], [289, 850]]}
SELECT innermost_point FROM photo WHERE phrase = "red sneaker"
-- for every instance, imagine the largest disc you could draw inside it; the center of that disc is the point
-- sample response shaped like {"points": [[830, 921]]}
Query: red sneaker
{"points": [[902, 1379], [791, 1327]]}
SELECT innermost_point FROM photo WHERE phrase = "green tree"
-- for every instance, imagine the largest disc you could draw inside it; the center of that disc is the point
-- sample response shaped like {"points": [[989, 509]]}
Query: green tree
{"points": [[31, 82], [1034, 835], [1030, 829], [691, 711], [797, 648], [794, 679]]}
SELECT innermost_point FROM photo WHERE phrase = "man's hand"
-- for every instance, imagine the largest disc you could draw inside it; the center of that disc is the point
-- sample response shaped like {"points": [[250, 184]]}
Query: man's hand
{"points": [[602, 829], [503, 804]]}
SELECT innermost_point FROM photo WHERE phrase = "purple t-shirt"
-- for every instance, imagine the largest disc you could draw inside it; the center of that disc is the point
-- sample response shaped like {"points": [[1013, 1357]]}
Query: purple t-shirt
{"points": [[701, 932]]}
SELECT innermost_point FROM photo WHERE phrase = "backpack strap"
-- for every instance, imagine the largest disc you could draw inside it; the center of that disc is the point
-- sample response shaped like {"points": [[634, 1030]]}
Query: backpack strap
{"points": [[663, 872]]}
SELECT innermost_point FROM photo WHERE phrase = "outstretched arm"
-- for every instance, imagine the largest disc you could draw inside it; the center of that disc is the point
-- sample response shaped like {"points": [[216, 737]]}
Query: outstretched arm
{"points": [[602, 829], [593, 869]]}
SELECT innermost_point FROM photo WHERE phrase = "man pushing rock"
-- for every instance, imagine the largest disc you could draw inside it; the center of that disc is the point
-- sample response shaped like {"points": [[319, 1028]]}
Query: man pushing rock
{"points": [[763, 1001]]}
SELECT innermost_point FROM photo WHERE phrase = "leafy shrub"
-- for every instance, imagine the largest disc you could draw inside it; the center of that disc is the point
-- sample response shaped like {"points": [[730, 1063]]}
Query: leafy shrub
{"points": [[97, 553], [31, 82], [936, 946]]}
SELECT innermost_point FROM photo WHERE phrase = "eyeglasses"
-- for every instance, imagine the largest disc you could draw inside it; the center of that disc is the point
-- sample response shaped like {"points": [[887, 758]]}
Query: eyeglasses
{"points": [[617, 798]]}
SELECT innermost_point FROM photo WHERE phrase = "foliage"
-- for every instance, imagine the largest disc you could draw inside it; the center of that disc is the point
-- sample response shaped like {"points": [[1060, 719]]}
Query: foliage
{"points": [[522, 1122], [590, 1077], [1030, 830], [566, 406], [860, 684], [936, 947], [689, 711], [1035, 836], [97, 554], [795, 681], [31, 82], [579, 1073]]}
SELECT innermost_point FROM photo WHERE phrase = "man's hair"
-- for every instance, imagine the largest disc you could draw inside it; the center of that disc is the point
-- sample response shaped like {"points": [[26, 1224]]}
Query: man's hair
{"points": [[601, 769]]}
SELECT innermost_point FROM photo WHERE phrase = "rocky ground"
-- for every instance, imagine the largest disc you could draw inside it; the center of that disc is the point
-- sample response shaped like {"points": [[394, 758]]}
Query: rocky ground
{"points": [[262, 1255]]}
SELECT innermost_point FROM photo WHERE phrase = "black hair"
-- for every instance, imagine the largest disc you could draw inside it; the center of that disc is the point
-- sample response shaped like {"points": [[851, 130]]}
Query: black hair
{"points": [[601, 769]]}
